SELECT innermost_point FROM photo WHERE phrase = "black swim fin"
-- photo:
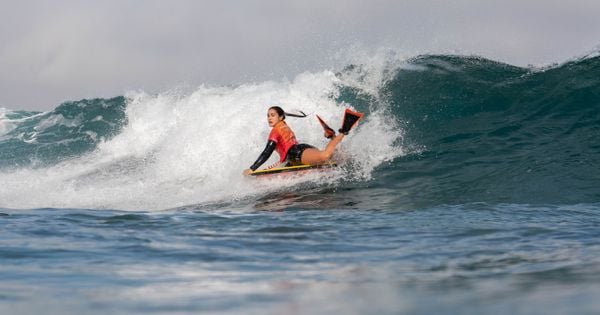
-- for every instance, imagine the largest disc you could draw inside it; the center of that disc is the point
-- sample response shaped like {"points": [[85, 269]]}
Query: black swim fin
{"points": [[351, 118], [329, 133]]}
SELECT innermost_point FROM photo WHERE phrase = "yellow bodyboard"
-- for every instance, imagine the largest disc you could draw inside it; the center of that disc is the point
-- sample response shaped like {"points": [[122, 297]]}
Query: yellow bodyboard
{"points": [[296, 168]]}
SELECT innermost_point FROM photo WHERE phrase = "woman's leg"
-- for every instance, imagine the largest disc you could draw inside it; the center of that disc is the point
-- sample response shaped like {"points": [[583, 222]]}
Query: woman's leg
{"points": [[315, 156]]}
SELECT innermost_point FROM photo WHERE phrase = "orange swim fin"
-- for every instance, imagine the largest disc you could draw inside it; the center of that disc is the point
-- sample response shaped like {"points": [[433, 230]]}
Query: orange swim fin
{"points": [[329, 133], [351, 118]]}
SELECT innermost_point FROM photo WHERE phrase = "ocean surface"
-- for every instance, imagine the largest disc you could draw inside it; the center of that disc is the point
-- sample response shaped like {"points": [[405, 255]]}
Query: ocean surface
{"points": [[470, 187]]}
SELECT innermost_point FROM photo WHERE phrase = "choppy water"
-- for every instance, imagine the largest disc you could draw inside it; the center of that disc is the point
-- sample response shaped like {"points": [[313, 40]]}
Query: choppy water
{"points": [[470, 188]]}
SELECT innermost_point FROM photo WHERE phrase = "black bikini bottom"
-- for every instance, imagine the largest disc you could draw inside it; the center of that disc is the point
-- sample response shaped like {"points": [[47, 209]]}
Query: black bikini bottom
{"points": [[294, 155]]}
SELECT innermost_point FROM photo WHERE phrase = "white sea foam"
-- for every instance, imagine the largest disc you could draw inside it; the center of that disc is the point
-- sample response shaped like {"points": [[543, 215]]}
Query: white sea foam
{"points": [[182, 149], [5, 125]]}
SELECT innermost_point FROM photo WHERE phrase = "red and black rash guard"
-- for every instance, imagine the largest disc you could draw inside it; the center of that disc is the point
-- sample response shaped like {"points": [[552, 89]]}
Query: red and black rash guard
{"points": [[281, 138]]}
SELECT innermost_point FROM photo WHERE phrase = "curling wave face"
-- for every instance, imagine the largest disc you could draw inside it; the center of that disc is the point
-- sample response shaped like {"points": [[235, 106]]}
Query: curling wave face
{"points": [[497, 133], [438, 130]]}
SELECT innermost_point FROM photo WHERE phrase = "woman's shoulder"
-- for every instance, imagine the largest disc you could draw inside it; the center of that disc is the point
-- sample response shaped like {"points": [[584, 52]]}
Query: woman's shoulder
{"points": [[280, 126]]}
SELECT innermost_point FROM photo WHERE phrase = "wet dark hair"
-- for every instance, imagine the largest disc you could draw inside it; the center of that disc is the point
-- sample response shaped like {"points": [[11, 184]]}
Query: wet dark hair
{"points": [[282, 113], [279, 111]]}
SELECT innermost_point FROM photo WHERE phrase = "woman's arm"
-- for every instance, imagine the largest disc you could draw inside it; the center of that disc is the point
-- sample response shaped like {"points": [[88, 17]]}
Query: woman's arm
{"points": [[264, 156]]}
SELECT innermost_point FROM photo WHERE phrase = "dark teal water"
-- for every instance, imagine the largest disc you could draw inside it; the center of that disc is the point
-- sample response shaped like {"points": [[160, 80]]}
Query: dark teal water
{"points": [[71, 129], [492, 206], [343, 258]]}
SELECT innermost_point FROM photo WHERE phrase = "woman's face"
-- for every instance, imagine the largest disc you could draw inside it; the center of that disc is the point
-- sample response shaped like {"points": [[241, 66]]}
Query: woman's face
{"points": [[273, 117]]}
